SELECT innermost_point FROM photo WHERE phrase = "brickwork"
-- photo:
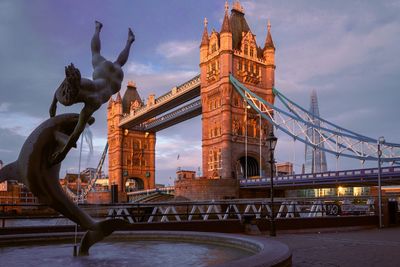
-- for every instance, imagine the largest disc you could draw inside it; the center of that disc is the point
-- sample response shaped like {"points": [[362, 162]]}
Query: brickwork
{"points": [[131, 154], [226, 119], [99, 197], [207, 189]]}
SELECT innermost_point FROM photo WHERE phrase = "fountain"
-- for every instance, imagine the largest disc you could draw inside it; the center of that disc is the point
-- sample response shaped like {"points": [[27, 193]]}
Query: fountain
{"points": [[38, 167]]}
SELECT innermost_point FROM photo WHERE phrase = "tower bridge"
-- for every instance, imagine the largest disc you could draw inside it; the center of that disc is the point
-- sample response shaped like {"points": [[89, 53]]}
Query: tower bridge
{"points": [[235, 94], [156, 106]]}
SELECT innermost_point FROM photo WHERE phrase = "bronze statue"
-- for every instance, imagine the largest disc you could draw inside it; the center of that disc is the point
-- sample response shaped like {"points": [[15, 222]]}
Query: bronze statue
{"points": [[39, 161], [43, 179], [107, 78]]}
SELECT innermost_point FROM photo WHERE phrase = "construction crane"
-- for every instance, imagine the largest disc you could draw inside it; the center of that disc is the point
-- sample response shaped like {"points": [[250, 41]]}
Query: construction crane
{"points": [[80, 198]]}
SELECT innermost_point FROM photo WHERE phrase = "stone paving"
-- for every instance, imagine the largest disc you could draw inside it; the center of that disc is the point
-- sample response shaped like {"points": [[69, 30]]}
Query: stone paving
{"points": [[368, 247]]}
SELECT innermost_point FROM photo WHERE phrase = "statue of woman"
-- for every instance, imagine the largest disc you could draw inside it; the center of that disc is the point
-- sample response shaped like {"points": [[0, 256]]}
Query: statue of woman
{"points": [[107, 78]]}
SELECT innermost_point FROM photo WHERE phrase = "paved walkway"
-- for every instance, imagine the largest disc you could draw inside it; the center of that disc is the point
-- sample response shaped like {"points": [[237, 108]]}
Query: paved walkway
{"points": [[368, 247]]}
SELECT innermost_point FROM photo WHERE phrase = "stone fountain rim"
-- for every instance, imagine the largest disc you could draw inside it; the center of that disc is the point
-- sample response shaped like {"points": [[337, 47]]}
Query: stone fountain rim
{"points": [[267, 252]]}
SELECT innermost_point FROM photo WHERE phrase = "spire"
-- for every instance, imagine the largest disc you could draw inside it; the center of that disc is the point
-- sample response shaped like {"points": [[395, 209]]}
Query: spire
{"points": [[268, 41], [110, 102], [226, 25], [204, 39], [118, 99], [238, 7]]}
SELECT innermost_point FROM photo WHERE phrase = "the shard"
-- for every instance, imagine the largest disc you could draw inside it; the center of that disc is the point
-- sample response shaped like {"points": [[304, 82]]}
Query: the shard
{"points": [[315, 159]]}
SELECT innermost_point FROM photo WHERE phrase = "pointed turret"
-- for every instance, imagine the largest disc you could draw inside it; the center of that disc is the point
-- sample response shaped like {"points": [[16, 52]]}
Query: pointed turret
{"points": [[226, 31], [204, 39], [204, 43], [268, 41], [269, 48], [226, 25], [118, 99], [110, 103]]}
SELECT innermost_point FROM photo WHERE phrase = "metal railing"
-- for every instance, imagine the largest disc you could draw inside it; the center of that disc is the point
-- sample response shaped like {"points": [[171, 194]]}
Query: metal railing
{"points": [[365, 174], [176, 91], [195, 211]]}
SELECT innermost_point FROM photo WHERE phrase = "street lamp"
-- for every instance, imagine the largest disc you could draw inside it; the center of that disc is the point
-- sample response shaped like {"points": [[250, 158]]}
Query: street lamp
{"points": [[272, 143], [381, 141]]}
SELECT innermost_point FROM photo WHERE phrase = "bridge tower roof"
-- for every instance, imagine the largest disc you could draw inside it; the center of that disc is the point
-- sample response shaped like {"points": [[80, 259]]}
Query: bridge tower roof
{"points": [[131, 94], [238, 25]]}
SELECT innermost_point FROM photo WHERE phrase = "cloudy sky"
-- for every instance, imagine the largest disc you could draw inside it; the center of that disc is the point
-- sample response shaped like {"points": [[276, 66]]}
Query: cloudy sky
{"points": [[348, 51]]}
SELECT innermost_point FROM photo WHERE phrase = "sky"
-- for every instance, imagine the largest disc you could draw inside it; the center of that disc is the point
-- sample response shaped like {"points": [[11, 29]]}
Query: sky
{"points": [[348, 51]]}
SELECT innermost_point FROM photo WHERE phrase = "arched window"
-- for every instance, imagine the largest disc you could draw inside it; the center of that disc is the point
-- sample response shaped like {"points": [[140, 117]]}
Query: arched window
{"points": [[210, 160]]}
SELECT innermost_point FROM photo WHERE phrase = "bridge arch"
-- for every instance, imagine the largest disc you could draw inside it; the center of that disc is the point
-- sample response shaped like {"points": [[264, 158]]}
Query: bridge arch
{"points": [[253, 166], [134, 184]]}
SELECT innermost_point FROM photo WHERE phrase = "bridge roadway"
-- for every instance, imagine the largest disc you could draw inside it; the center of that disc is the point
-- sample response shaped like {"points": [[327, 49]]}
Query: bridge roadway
{"points": [[167, 120], [358, 177], [174, 98]]}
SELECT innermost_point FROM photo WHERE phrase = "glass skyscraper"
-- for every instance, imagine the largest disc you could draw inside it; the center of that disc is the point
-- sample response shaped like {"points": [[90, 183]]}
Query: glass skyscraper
{"points": [[315, 159]]}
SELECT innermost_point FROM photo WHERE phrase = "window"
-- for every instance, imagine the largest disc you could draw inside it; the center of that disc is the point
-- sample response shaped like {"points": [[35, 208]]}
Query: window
{"points": [[213, 48], [251, 52], [246, 49], [219, 159], [210, 160]]}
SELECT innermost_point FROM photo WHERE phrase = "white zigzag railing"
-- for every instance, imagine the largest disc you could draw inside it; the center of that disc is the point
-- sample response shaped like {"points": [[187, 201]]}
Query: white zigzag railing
{"points": [[238, 210], [295, 121]]}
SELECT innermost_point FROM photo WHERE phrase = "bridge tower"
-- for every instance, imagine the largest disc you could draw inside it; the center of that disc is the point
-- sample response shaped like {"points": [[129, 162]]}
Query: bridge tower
{"points": [[231, 131], [131, 154]]}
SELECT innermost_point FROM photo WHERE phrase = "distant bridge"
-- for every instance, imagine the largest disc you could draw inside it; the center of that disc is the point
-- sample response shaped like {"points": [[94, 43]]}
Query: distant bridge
{"points": [[358, 177]]}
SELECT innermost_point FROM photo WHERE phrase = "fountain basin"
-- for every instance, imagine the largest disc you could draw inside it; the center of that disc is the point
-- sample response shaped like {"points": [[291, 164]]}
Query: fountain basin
{"points": [[147, 248]]}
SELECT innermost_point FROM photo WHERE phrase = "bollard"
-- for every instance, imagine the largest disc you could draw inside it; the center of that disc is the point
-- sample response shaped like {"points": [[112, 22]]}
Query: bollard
{"points": [[75, 253]]}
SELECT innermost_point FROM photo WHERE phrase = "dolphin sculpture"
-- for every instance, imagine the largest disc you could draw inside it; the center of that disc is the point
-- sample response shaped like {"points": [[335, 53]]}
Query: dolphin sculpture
{"points": [[34, 170]]}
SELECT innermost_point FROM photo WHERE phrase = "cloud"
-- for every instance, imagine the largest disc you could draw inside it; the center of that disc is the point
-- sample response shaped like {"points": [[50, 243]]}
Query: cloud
{"points": [[137, 68], [4, 106], [175, 49], [159, 82], [10, 142], [13, 121]]}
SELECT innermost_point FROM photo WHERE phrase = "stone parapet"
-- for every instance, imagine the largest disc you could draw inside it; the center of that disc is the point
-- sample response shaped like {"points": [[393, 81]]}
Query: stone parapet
{"points": [[207, 189]]}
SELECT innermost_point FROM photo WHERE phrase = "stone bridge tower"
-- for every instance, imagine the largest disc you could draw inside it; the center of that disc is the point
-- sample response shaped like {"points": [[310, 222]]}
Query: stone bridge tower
{"points": [[230, 128], [131, 154]]}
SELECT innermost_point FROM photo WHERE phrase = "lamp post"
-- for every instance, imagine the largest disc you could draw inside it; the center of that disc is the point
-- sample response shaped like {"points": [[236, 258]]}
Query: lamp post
{"points": [[272, 143], [381, 141]]}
